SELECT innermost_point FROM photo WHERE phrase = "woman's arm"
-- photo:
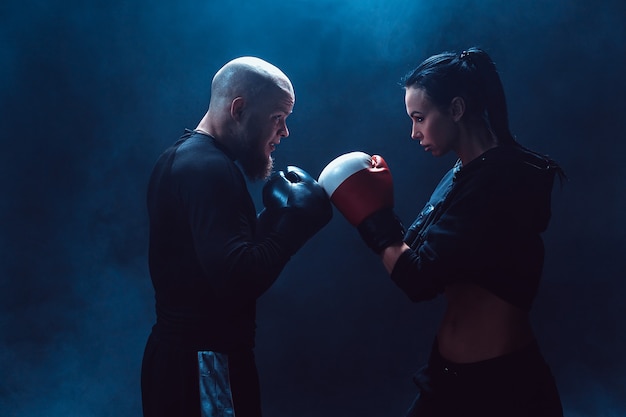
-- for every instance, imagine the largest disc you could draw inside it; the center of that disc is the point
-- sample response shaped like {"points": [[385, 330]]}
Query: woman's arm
{"points": [[391, 254]]}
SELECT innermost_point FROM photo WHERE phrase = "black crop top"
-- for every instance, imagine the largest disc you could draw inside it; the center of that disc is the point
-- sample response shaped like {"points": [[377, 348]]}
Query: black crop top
{"points": [[482, 225]]}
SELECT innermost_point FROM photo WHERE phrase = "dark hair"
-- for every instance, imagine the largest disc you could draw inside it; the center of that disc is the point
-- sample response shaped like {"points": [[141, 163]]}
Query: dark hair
{"points": [[471, 75]]}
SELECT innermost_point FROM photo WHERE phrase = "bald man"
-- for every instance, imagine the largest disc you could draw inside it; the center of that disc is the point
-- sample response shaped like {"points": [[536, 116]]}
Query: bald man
{"points": [[210, 256]]}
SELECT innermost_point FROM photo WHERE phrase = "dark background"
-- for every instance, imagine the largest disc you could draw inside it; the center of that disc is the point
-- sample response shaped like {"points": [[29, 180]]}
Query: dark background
{"points": [[92, 92]]}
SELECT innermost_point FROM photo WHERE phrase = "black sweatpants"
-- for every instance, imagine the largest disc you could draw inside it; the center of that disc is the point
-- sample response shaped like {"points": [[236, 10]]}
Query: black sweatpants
{"points": [[170, 382], [519, 384]]}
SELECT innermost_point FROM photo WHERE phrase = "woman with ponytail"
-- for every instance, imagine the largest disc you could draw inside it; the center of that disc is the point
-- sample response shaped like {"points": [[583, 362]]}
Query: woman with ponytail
{"points": [[477, 241]]}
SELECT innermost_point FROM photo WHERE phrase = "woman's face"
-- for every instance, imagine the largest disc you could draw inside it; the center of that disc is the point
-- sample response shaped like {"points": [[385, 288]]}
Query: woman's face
{"points": [[435, 130]]}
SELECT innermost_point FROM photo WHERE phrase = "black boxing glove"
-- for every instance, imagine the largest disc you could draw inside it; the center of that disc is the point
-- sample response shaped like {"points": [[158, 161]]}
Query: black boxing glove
{"points": [[296, 208]]}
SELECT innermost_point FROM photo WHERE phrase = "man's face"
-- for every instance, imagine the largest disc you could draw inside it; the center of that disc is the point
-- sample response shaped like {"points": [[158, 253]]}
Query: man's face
{"points": [[263, 128]]}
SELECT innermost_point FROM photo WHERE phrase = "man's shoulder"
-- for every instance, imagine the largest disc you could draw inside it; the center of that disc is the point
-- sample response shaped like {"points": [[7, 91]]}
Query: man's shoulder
{"points": [[199, 153]]}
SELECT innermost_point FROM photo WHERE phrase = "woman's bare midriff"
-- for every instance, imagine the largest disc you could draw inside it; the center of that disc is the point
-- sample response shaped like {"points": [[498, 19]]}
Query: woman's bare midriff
{"points": [[478, 325]]}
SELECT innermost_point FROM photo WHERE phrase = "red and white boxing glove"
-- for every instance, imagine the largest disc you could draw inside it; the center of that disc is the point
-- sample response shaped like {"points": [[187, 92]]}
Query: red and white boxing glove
{"points": [[358, 185], [361, 187]]}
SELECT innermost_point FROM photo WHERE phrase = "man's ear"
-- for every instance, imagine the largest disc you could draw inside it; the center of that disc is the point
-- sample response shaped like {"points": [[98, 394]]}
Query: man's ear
{"points": [[236, 108], [457, 108]]}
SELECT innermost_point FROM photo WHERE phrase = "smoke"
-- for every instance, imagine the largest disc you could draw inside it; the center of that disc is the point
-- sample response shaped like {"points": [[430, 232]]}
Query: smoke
{"points": [[93, 92]]}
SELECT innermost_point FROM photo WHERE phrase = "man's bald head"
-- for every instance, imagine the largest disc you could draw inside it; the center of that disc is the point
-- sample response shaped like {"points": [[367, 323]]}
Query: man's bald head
{"points": [[250, 102], [247, 77]]}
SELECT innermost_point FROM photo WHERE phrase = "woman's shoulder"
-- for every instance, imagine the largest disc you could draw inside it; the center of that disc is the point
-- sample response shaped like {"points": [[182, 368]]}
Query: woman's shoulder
{"points": [[507, 162]]}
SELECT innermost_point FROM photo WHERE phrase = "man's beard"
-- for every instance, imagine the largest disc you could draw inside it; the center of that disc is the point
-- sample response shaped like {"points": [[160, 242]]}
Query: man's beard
{"points": [[251, 156], [256, 168]]}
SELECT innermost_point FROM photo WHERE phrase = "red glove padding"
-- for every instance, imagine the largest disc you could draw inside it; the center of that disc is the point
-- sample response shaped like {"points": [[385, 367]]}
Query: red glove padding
{"points": [[358, 185], [361, 187]]}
